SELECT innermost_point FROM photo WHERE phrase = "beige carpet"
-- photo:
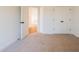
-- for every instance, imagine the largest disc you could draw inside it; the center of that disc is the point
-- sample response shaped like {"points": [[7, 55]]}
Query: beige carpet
{"points": [[38, 42]]}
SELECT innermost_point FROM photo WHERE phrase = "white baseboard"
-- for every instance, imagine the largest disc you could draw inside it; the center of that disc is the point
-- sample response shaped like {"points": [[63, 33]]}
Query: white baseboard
{"points": [[76, 34], [54, 33]]}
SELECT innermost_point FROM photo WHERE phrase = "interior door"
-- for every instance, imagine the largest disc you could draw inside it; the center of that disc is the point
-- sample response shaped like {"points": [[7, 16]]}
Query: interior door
{"points": [[63, 19], [54, 20], [24, 22]]}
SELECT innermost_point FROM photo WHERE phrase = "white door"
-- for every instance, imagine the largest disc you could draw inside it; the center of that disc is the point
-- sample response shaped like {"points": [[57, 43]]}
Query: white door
{"points": [[24, 22], [62, 23], [55, 20]]}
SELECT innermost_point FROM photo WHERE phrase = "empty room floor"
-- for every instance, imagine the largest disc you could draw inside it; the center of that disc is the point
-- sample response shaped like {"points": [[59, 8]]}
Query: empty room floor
{"points": [[38, 42]]}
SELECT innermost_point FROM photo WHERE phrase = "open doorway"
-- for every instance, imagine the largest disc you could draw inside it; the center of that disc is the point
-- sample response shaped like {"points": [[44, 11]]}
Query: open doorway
{"points": [[33, 19]]}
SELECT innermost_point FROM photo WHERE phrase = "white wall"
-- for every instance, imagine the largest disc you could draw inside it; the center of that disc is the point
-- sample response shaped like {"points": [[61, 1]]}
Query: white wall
{"points": [[50, 18], [75, 25], [9, 25]]}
